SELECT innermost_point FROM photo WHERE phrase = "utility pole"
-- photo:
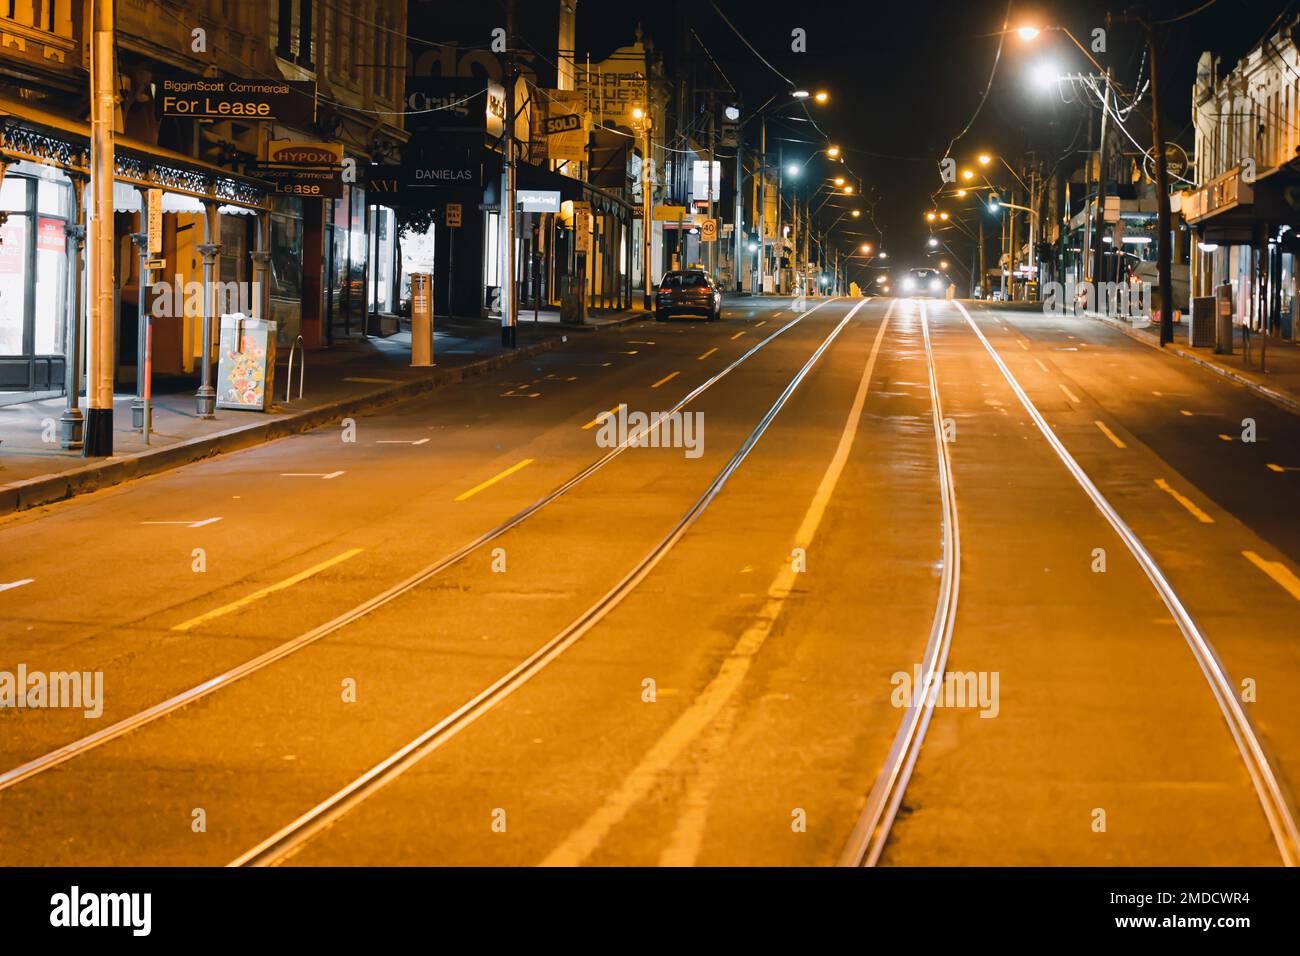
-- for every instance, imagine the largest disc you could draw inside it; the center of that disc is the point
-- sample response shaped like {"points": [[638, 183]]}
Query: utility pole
{"points": [[737, 232], [984, 275], [762, 203], [1163, 252], [713, 246], [646, 200], [1098, 247], [98, 441], [509, 319]]}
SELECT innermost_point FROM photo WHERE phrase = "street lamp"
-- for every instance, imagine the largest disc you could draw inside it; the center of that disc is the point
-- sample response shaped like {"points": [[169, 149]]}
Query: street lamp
{"points": [[821, 96], [1028, 33], [984, 159], [833, 152]]}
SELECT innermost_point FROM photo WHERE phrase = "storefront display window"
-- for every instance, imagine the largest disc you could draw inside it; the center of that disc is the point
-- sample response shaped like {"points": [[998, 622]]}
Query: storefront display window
{"points": [[286, 248], [34, 200]]}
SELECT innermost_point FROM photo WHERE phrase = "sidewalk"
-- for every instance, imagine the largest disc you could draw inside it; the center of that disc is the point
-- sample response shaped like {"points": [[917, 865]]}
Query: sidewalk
{"points": [[348, 379]]}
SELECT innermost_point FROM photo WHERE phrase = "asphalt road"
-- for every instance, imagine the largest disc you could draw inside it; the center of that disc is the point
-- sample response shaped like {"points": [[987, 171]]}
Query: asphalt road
{"points": [[444, 637]]}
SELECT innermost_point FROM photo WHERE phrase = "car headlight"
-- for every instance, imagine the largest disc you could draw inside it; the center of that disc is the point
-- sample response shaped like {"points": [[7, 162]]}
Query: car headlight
{"points": [[935, 285], [909, 284]]}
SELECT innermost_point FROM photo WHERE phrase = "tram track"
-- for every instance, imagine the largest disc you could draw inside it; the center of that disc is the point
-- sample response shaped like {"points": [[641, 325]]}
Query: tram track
{"points": [[70, 751], [870, 834], [290, 838]]}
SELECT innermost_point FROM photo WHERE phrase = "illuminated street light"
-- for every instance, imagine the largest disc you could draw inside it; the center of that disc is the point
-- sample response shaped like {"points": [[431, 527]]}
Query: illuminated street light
{"points": [[857, 213], [1045, 74], [839, 180], [1028, 33], [880, 280], [638, 113], [967, 174], [943, 263], [792, 169], [732, 113], [821, 96], [961, 194], [933, 242], [866, 247], [848, 190], [943, 216], [984, 159], [833, 152], [929, 216], [800, 94]]}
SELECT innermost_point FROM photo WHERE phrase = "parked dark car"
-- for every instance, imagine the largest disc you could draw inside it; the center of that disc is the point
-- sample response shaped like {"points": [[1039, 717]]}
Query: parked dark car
{"points": [[688, 292]]}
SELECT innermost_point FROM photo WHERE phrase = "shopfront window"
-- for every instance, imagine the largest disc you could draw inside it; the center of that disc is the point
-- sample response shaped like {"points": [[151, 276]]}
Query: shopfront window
{"points": [[359, 253], [34, 200], [286, 248], [383, 234]]}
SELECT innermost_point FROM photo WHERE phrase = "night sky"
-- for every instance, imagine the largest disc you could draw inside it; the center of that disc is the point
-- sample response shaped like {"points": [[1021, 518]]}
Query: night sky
{"points": [[905, 78]]}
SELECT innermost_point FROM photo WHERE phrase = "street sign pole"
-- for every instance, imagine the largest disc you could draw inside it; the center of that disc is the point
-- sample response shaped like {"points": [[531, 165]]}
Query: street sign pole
{"points": [[508, 317]]}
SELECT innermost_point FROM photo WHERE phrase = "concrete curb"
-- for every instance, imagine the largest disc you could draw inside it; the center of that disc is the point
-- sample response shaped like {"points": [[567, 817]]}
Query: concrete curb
{"points": [[46, 489], [1277, 398], [608, 323]]}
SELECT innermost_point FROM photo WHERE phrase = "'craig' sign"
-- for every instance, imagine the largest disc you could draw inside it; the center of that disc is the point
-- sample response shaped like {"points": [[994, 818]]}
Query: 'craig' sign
{"points": [[288, 101]]}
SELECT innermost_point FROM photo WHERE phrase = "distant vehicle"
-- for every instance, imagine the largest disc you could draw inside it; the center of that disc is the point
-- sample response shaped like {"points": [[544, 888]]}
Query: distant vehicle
{"points": [[688, 292], [925, 282]]}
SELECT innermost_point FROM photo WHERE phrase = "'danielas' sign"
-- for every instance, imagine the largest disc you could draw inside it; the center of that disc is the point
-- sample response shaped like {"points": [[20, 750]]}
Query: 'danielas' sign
{"points": [[288, 101]]}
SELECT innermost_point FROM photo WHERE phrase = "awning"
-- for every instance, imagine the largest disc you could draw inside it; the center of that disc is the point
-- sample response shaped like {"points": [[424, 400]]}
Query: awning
{"points": [[126, 198]]}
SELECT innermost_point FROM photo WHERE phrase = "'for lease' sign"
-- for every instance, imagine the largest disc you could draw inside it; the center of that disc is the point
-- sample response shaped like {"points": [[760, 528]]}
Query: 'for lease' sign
{"points": [[288, 101]]}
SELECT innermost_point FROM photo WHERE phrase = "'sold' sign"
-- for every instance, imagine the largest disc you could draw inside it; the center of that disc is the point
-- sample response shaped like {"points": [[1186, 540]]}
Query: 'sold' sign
{"points": [[288, 101]]}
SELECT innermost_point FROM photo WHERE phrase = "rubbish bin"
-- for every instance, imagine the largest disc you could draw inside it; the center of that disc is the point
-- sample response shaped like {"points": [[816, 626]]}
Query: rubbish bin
{"points": [[1202, 325], [1223, 321], [246, 363]]}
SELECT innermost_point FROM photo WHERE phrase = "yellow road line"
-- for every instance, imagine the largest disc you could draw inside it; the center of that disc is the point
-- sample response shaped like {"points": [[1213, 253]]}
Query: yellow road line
{"points": [[759, 325], [494, 479], [596, 421], [1276, 570], [1186, 502], [667, 378], [1021, 343], [737, 335], [706, 354], [714, 703], [1069, 394], [1041, 365], [270, 589], [1110, 434]]}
